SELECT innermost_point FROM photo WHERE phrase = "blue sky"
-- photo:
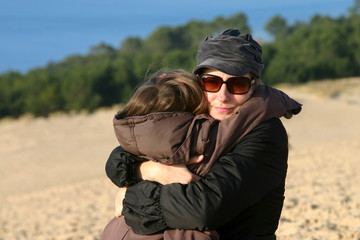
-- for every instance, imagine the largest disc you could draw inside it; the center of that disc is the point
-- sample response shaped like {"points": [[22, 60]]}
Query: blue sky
{"points": [[36, 32]]}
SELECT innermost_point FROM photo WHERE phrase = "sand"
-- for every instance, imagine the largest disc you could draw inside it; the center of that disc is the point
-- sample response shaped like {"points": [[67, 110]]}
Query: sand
{"points": [[53, 183]]}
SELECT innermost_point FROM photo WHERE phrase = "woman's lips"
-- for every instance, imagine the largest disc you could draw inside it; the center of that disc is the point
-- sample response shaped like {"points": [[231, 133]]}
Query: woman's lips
{"points": [[223, 109]]}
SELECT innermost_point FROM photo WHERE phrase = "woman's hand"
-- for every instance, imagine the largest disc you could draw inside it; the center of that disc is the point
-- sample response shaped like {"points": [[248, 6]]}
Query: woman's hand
{"points": [[160, 173], [166, 174], [119, 201]]}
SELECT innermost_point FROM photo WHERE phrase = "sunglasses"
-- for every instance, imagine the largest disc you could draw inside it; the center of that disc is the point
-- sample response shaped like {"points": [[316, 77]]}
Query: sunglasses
{"points": [[235, 85]]}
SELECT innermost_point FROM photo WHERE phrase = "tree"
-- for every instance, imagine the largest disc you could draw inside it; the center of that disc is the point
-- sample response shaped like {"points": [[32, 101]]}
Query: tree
{"points": [[132, 45], [277, 27], [324, 47], [102, 49], [41, 95], [356, 9], [11, 94]]}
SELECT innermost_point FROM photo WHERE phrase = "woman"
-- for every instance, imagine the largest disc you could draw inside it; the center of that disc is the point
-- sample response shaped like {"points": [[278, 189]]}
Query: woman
{"points": [[242, 195]]}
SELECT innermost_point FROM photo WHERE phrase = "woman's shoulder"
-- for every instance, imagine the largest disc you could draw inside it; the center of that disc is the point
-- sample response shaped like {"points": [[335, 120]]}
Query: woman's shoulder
{"points": [[269, 130], [267, 143], [271, 124]]}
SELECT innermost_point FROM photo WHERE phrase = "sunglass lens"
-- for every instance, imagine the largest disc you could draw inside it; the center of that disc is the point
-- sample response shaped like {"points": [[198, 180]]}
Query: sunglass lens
{"points": [[238, 85], [211, 83]]}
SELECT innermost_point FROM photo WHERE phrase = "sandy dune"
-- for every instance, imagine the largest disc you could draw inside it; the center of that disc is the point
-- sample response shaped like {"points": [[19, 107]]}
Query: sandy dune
{"points": [[53, 184]]}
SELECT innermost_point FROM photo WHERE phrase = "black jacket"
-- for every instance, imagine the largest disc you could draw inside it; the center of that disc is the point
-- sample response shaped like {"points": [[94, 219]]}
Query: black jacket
{"points": [[241, 197]]}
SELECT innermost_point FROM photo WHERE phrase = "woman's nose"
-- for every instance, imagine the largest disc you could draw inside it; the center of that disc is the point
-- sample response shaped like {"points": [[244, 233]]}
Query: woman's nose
{"points": [[223, 93]]}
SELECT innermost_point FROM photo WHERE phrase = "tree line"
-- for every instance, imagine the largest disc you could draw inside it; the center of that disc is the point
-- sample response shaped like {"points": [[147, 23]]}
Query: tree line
{"points": [[322, 48]]}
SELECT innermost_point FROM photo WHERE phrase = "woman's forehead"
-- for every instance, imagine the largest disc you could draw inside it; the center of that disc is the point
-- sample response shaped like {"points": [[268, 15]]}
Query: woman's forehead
{"points": [[216, 72]]}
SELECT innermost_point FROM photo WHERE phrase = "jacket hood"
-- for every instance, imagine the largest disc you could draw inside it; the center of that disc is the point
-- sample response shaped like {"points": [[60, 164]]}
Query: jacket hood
{"points": [[155, 136]]}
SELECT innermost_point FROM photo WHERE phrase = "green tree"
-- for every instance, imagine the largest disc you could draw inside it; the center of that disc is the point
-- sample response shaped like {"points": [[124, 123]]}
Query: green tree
{"points": [[324, 47], [77, 90], [355, 10], [132, 45], [41, 92], [11, 94], [352, 28], [314, 51], [277, 27]]}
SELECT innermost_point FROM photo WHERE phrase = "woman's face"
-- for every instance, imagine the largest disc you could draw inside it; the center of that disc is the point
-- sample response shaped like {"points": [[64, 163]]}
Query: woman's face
{"points": [[223, 104]]}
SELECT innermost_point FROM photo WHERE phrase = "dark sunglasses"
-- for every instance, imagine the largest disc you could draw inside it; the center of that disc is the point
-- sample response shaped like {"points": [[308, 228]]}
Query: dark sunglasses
{"points": [[235, 85]]}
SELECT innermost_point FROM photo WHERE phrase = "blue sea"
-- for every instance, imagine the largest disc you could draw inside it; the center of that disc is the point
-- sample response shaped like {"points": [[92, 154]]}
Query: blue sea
{"points": [[36, 32]]}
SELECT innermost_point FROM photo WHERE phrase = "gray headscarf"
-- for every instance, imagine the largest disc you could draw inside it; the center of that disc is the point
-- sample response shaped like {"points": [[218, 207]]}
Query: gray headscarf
{"points": [[230, 52]]}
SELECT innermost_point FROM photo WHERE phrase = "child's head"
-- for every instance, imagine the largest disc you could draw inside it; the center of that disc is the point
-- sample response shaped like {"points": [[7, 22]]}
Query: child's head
{"points": [[170, 91]]}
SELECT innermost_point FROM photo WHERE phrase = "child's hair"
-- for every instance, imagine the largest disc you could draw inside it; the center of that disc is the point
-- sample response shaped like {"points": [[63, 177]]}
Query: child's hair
{"points": [[175, 90]]}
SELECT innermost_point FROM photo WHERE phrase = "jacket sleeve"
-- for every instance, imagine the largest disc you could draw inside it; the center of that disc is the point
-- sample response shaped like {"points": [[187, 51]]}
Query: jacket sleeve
{"points": [[121, 167], [237, 180]]}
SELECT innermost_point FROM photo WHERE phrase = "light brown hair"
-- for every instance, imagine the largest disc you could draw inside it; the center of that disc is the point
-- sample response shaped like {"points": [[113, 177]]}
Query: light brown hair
{"points": [[174, 90]]}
